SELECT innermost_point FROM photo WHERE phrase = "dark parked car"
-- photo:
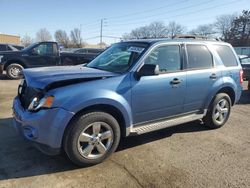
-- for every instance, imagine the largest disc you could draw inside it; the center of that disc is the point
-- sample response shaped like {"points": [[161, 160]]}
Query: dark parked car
{"points": [[79, 55], [245, 63], [41, 54], [10, 47]]}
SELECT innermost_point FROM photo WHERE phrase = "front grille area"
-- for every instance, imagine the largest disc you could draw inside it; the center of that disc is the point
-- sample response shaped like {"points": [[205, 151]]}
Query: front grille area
{"points": [[26, 94]]}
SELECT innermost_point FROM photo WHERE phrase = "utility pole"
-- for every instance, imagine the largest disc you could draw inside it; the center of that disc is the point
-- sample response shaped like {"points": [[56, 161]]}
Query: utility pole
{"points": [[81, 35], [101, 33], [103, 24]]}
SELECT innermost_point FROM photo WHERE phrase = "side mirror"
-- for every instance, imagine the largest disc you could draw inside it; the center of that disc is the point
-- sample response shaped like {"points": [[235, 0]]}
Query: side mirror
{"points": [[148, 70]]}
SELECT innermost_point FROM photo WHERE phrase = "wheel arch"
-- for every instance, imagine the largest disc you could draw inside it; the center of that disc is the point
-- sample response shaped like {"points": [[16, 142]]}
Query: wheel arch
{"points": [[230, 92], [110, 109], [225, 89], [12, 61]]}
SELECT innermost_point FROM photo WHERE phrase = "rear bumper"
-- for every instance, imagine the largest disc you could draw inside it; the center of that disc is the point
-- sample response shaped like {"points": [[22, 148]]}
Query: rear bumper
{"points": [[44, 129]]}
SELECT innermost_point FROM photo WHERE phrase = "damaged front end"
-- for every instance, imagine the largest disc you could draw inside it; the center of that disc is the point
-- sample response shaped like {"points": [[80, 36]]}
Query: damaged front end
{"points": [[34, 99]]}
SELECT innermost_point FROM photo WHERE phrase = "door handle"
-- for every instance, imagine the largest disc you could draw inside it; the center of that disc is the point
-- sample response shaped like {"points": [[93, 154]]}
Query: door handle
{"points": [[213, 76], [175, 81]]}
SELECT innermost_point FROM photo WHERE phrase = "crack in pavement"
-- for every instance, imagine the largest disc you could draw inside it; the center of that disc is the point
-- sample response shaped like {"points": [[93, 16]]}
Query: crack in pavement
{"points": [[129, 173]]}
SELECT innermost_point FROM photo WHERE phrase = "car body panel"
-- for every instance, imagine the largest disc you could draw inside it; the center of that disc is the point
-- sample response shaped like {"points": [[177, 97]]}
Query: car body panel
{"points": [[41, 77], [35, 128]]}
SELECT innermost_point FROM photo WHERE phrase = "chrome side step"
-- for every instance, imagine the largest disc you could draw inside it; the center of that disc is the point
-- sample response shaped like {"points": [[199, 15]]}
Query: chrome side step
{"points": [[153, 126]]}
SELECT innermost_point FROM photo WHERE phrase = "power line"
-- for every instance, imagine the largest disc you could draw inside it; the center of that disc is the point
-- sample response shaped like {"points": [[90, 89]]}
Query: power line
{"points": [[145, 11], [178, 15], [131, 14], [96, 21], [174, 10], [168, 12], [118, 31]]}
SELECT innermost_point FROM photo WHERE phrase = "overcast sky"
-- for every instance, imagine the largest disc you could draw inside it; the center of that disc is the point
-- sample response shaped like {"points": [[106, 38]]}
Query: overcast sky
{"points": [[20, 17]]}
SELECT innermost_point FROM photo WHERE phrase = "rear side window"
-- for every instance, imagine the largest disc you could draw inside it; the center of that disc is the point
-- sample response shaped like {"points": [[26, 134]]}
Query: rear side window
{"points": [[226, 55], [199, 57]]}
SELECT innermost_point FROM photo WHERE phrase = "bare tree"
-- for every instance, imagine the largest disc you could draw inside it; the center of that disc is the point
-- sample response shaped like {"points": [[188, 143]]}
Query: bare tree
{"points": [[223, 25], [153, 30], [140, 33], [62, 38], [157, 30], [240, 32], [43, 35], [175, 29], [206, 30], [76, 37], [26, 40]]}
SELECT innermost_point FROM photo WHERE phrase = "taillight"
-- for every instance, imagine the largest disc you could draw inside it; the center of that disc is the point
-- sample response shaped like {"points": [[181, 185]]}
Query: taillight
{"points": [[241, 76]]}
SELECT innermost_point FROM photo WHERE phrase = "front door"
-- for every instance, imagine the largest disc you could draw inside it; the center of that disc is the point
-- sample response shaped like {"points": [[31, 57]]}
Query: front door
{"points": [[160, 96], [43, 55]]}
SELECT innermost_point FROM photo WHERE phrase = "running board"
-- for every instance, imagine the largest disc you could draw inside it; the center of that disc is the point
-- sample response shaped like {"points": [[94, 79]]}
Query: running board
{"points": [[154, 126]]}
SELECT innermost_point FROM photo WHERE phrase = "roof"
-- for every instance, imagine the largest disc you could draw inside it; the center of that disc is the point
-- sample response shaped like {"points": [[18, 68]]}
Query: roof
{"points": [[152, 41]]}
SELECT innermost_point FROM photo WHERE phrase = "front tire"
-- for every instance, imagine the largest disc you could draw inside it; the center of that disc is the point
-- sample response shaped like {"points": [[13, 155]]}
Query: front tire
{"points": [[13, 71], [218, 112], [91, 138]]}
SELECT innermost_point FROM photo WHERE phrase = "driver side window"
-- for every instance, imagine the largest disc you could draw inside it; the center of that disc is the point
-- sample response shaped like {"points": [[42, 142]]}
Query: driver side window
{"points": [[167, 57], [44, 49]]}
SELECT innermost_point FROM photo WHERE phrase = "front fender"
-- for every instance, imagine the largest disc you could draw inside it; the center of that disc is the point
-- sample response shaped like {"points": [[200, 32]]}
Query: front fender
{"points": [[102, 97]]}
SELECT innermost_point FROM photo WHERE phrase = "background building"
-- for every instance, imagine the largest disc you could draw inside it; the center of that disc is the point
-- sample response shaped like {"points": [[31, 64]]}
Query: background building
{"points": [[10, 39]]}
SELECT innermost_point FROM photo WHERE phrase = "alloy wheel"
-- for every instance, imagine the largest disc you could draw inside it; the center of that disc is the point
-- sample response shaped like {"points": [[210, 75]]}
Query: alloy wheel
{"points": [[95, 140], [221, 111]]}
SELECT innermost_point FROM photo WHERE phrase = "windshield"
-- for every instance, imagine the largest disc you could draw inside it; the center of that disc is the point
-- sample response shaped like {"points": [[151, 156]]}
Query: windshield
{"points": [[119, 57], [30, 46], [13, 48]]}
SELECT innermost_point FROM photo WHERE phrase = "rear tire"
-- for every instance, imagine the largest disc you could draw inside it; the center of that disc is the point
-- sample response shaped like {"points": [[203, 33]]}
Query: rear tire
{"points": [[13, 71], [91, 138], [218, 112]]}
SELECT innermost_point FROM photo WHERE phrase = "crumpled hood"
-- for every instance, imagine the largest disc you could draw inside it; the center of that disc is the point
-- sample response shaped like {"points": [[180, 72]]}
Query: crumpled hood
{"points": [[43, 77]]}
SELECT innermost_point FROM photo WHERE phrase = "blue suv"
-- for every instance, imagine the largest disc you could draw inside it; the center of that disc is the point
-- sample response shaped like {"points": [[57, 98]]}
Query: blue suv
{"points": [[132, 88]]}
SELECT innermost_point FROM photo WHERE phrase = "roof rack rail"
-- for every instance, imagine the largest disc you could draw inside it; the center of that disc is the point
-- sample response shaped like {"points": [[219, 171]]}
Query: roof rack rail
{"points": [[194, 37]]}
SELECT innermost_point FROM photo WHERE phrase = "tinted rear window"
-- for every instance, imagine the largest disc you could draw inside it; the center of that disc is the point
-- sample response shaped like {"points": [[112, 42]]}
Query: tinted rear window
{"points": [[199, 57], [226, 54]]}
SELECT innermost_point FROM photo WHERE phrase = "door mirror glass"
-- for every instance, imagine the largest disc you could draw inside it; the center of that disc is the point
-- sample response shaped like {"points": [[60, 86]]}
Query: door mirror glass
{"points": [[148, 70]]}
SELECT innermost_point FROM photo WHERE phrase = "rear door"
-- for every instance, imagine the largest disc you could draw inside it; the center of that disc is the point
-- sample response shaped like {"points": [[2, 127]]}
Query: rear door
{"points": [[201, 76]]}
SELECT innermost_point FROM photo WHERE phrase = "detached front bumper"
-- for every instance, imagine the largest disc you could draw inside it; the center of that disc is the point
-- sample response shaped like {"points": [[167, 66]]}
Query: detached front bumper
{"points": [[44, 128]]}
